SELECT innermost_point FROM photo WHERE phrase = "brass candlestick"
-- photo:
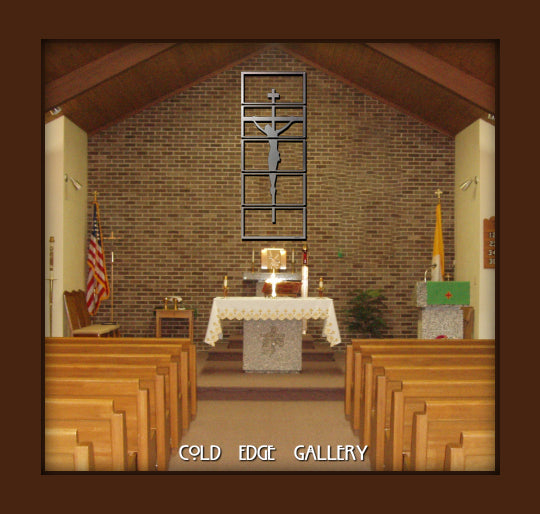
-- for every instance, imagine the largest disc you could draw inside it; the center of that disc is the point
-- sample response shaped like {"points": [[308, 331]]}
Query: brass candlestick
{"points": [[225, 290], [321, 287]]}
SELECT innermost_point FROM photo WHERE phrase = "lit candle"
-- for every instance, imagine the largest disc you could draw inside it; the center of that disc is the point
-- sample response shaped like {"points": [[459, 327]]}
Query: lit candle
{"points": [[292, 256], [253, 256], [225, 281], [320, 283]]}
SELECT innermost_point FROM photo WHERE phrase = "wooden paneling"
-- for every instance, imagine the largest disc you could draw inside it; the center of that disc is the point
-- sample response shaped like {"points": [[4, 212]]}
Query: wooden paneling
{"points": [[151, 81], [393, 83], [476, 58], [406, 88]]}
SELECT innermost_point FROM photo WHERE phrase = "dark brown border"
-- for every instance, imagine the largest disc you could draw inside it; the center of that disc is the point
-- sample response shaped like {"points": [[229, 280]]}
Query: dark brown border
{"points": [[515, 166]]}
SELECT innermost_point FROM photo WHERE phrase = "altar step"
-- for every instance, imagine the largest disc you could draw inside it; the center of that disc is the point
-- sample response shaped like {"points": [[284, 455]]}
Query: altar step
{"points": [[220, 377], [226, 354], [296, 394]]}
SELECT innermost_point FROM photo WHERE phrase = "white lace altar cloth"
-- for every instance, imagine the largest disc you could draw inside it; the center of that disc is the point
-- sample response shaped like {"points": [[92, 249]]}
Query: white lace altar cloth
{"points": [[264, 308]]}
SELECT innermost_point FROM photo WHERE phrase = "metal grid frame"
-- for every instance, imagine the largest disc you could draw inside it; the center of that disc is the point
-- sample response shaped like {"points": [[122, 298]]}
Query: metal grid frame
{"points": [[273, 174]]}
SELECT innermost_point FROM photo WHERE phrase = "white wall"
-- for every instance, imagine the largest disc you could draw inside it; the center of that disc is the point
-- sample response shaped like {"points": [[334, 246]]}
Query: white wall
{"points": [[75, 206], [475, 157], [65, 215], [486, 321], [54, 222]]}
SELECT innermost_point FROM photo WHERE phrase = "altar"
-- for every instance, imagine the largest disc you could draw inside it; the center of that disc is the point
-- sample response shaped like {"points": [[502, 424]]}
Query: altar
{"points": [[276, 346]]}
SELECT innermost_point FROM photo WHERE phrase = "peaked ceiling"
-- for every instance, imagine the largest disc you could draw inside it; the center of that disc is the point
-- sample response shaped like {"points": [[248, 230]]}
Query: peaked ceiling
{"points": [[445, 84]]}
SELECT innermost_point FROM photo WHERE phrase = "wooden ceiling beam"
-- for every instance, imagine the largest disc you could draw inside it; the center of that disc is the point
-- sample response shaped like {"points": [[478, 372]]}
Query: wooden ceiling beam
{"points": [[78, 81], [440, 72]]}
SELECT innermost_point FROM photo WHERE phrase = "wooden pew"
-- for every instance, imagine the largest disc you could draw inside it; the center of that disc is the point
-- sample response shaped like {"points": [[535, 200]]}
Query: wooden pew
{"points": [[150, 378], [176, 354], [441, 371], [165, 364], [441, 423], [409, 398], [64, 452], [474, 452], [352, 348], [360, 349], [130, 397], [97, 421], [179, 347], [429, 357]]}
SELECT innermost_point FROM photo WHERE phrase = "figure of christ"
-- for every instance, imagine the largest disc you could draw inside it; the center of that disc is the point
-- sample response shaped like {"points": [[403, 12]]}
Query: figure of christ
{"points": [[273, 153]]}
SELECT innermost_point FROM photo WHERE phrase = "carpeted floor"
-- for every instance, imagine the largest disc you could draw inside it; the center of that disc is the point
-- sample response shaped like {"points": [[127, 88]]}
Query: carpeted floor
{"points": [[285, 410]]}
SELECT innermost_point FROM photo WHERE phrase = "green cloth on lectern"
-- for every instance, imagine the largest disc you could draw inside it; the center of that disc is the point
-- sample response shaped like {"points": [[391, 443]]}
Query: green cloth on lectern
{"points": [[448, 293]]}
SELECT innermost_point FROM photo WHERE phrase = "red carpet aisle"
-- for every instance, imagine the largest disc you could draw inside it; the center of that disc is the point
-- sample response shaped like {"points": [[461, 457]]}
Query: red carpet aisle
{"points": [[310, 415]]}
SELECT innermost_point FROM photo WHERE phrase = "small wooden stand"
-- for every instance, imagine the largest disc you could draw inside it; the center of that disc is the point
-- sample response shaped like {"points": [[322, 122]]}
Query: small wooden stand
{"points": [[169, 313]]}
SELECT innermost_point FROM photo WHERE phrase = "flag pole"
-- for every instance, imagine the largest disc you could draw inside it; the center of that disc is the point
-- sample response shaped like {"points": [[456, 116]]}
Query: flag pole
{"points": [[94, 294], [97, 281]]}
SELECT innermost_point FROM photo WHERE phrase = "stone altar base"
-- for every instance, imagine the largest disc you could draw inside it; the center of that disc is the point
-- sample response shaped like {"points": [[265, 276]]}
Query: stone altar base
{"points": [[272, 346], [437, 320]]}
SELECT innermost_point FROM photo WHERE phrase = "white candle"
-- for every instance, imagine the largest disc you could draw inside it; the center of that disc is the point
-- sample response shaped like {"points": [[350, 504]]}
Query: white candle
{"points": [[253, 256], [320, 283], [293, 256], [225, 281]]}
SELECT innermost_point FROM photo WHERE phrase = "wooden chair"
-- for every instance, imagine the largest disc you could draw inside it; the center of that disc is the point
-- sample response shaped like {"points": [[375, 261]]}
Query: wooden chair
{"points": [[79, 318]]}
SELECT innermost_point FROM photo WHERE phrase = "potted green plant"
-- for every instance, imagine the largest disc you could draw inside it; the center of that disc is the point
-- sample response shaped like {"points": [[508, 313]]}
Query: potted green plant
{"points": [[366, 312]]}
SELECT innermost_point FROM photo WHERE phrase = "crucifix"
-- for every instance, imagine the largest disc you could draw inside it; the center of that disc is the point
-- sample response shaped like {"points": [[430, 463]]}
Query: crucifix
{"points": [[272, 113], [112, 238], [274, 158], [438, 193]]}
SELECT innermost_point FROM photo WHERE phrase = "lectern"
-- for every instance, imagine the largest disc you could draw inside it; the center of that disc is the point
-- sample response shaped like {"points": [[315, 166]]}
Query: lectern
{"points": [[441, 308]]}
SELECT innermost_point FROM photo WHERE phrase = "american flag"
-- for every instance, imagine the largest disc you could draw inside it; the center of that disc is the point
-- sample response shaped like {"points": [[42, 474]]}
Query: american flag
{"points": [[97, 284]]}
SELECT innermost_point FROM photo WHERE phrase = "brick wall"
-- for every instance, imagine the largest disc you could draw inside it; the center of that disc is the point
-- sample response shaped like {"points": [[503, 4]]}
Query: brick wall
{"points": [[168, 181]]}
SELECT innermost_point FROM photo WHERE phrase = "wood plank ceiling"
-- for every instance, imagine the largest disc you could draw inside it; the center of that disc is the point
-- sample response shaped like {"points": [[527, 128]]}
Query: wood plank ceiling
{"points": [[447, 85]]}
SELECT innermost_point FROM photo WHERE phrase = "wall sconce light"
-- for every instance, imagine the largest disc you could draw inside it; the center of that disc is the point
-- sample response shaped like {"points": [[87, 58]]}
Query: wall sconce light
{"points": [[465, 185], [76, 184]]}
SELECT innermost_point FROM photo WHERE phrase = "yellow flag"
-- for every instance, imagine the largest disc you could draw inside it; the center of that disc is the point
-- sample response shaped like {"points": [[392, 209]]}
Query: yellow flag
{"points": [[437, 260]]}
